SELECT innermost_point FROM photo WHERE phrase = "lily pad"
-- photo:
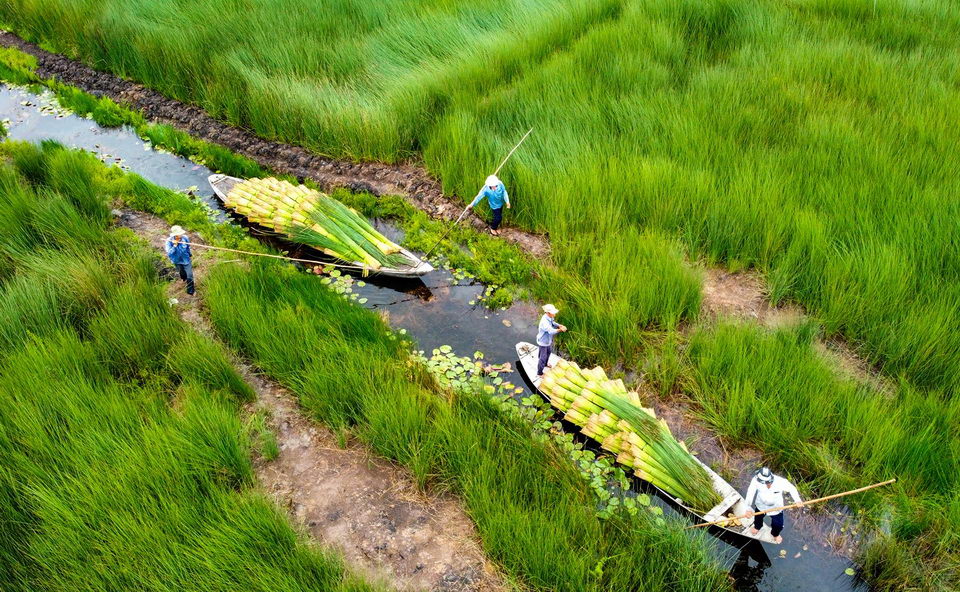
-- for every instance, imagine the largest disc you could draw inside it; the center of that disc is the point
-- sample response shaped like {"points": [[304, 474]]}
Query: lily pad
{"points": [[849, 571]]}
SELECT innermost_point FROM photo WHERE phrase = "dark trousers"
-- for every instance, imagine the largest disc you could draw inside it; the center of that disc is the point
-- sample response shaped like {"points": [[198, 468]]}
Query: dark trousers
{"points": [[544, 358], [776, 523], [186, 274], [497, 218]]}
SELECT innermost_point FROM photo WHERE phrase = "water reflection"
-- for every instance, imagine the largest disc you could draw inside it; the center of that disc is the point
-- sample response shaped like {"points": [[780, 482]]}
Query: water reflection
{"points": [[748, 569]]}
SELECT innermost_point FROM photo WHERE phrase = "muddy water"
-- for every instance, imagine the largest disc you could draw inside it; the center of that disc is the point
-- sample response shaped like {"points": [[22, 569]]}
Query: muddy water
{"points": [[439, 310]]}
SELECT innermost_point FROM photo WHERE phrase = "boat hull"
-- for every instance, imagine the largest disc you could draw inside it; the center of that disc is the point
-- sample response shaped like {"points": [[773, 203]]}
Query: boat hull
{"points": [[732, 500], [222, 184]]}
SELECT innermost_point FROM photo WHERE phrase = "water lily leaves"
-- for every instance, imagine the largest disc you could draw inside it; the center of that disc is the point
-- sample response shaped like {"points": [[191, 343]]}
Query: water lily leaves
{"points": [[849, 571]]}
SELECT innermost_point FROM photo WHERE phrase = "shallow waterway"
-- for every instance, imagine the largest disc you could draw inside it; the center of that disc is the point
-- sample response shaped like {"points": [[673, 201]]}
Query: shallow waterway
{"points": [[441, 309]]}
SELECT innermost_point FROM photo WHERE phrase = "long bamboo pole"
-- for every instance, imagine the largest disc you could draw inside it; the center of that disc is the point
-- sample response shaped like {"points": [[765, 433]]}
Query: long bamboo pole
{"points": [[509, 154], [202, 246], [797, 505], [464, 212]]}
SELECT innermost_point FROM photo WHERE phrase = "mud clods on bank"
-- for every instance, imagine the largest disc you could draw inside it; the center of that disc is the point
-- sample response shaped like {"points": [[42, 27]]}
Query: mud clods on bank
{"points": [[409, 180]]}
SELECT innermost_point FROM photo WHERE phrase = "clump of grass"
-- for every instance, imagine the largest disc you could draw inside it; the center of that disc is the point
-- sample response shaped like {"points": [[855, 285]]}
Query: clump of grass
{"points": [[206, 365], [17, 67], [260, 431]]}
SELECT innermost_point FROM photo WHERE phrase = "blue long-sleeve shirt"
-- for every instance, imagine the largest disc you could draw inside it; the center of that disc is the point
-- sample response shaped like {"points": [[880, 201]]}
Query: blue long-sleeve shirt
{"points": [[179, 254], [547, 329], [495, 197]]}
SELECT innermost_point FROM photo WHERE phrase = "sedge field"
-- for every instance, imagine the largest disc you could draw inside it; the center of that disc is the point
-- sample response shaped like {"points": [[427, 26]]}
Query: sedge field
{"points": [[813, 140], [810, 138], [100, 378]]}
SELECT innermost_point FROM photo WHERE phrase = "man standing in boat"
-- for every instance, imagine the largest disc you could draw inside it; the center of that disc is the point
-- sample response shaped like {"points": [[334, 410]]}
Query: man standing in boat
{"points": [[178, 250], [765, 492], [496, 195], [545, 331]]}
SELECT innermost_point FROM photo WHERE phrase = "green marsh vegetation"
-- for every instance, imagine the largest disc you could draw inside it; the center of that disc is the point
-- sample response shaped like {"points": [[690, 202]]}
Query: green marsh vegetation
{"points": [[506, 270], [125, 462], [92, 347], [809, 138], [534, 512], [773, 390]]}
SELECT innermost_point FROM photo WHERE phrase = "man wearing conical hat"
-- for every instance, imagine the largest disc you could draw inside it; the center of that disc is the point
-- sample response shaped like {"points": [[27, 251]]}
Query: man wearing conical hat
{"points": [[547, 328], [496, 195], [178, 250]]}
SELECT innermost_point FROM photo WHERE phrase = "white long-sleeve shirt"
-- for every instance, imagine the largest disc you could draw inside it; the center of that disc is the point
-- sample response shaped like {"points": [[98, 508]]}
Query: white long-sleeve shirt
{"points": [[763, 498], [546, 330]]}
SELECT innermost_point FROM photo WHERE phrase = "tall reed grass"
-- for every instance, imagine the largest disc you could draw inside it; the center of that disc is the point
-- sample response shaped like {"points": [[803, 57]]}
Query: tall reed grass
{"points": [[775, 392], [809, 139], [533, 512], [125, 464]]}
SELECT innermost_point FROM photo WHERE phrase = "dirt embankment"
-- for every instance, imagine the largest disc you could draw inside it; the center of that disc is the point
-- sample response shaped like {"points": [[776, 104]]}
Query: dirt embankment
{"points": [[366, 507], [743, 295], [409, 180]]}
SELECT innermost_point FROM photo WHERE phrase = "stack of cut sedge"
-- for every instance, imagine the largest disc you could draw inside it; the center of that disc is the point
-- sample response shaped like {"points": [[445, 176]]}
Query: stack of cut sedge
{"points": [[315, 219], [614, 417]]}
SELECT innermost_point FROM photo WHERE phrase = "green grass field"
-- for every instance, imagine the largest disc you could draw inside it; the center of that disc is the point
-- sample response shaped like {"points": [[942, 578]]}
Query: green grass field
{"points": [[808, 138], [126, 463], [776, 391], [814, 140]]}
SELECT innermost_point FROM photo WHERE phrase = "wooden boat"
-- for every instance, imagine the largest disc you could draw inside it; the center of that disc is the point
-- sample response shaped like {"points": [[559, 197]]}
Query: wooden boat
{"points": [[732, 502], [222, 184]]}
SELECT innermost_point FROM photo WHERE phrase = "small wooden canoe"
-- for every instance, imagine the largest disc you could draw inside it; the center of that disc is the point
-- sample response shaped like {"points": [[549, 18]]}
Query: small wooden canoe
{"points": [[222, 184], [732, 502]]}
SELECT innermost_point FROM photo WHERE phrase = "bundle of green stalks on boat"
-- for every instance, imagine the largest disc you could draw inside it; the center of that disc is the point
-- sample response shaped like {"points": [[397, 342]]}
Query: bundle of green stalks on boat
{"points": [[315, 219], [616, 418]]}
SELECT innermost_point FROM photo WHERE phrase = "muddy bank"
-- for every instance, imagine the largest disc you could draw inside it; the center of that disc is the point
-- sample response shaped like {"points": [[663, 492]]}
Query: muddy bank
{"points": [[409, 180]]}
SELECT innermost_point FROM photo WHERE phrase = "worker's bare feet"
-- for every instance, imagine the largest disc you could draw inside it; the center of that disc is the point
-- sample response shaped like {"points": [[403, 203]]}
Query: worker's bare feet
{"points": [[494, 232], [754, 531], [778, 539]]}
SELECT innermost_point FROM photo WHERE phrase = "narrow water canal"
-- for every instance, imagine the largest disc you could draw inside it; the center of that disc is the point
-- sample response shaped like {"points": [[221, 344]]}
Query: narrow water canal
{"points": [[439, 310]]}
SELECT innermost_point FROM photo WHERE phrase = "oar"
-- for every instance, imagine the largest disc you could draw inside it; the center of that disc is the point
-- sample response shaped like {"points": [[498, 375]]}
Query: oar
{"points": [[791, 506], [464, 212]]}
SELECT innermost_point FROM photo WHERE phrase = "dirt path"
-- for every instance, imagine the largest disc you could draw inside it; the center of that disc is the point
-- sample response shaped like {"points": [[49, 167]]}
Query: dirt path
{"points": [[344, 497], [743, 295], [409, 180]]}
